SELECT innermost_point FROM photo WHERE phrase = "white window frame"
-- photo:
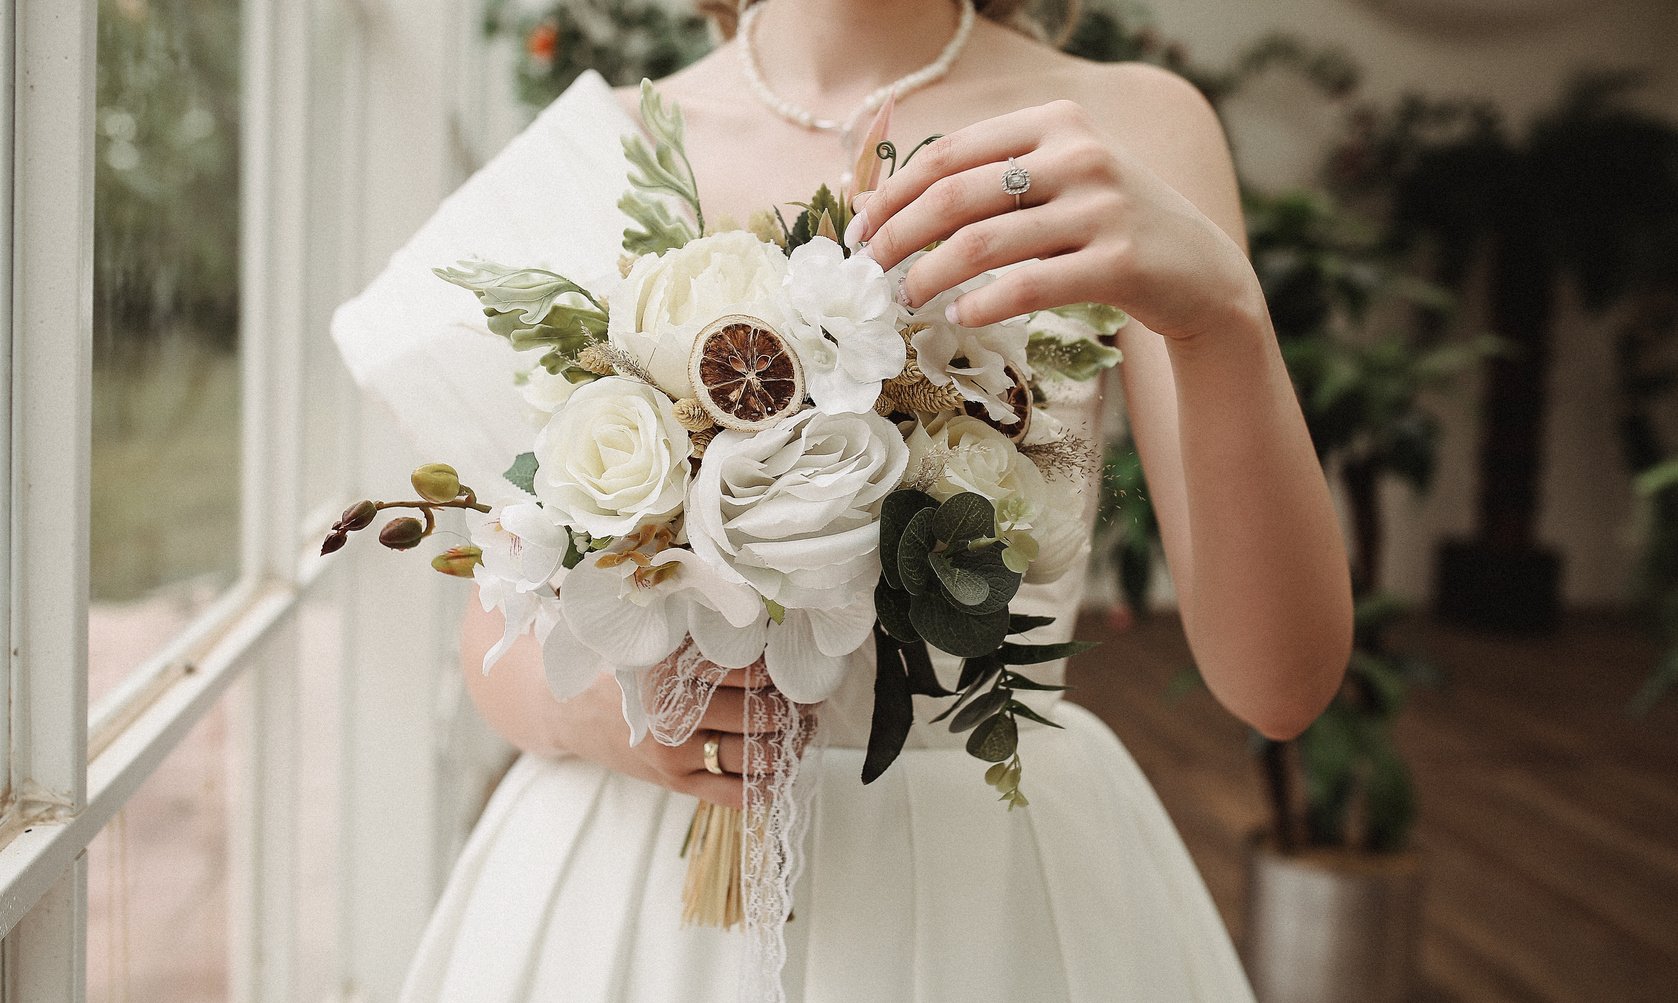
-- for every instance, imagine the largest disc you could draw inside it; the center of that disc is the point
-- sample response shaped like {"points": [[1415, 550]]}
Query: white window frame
{"points": [[68, 770]]}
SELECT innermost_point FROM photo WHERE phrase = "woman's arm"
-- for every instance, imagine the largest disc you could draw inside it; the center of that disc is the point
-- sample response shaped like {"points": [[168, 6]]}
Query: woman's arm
{"points": [[514, 698], [1152, 224]]}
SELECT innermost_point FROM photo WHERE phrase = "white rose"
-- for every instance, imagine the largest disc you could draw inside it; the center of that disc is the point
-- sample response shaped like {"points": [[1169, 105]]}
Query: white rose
{"points": [[668, 298], [956, 453], [614, 459], [793, 511], [975, 359], [792, 508], [848, 343]]}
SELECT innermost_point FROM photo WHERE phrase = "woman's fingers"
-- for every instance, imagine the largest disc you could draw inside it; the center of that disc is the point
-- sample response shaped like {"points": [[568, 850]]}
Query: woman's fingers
{"points": [[989, 142], [978, 247], [947, 205], [1037, 285]]}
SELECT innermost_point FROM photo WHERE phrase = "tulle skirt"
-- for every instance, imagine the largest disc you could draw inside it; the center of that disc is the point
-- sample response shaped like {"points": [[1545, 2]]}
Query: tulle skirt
{"points": [[918, 887]]}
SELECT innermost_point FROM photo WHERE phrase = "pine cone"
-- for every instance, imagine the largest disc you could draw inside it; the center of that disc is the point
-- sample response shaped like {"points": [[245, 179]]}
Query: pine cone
{"points": [[693, 416], [596, 359], [699, 440]]}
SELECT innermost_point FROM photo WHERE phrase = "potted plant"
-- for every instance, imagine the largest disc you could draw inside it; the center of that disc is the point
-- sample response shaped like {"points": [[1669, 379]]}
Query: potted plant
{"points": [[1587, 194]]}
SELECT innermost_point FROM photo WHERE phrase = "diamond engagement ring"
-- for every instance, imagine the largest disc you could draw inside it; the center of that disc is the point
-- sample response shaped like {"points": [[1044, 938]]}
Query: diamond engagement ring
{"points": [[1016, 181]]}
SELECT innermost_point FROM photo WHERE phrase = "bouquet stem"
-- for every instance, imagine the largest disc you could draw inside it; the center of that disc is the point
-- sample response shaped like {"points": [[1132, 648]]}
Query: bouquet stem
{"points": [[712, 895]]}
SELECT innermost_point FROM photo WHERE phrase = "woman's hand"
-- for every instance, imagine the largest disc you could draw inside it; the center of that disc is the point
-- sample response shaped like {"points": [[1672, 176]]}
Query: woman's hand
{"points": [[514, 698], [594, 729], [1105, 228]]}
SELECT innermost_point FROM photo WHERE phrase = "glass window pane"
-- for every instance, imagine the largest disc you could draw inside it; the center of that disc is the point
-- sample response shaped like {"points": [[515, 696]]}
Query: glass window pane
{"points": [[165, 517], [157, 879]]}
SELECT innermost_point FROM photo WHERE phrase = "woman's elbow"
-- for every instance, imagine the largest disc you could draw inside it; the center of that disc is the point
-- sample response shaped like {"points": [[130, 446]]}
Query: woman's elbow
{"points": [[1305, 686]]}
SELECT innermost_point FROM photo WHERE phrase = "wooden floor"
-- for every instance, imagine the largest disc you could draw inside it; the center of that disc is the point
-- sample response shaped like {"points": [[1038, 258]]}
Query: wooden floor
{"points": [[1549, 819]]}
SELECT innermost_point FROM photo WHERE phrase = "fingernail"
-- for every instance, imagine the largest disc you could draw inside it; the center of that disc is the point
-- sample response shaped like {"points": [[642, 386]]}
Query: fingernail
{"points": [[860, 199], [903, 294], [854, 232], [952, 314], [864, 252]]}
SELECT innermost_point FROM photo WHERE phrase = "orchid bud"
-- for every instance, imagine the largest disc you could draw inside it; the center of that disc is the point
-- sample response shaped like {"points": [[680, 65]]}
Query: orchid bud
{"points": [[437, 482], [358, 516], [458, 561], [334, 542], [402, 534]]}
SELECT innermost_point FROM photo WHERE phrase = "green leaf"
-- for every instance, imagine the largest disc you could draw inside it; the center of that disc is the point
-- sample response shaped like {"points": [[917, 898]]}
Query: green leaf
{"points": [[964, 517], [894, 710], [1033, 654], [923, 678], [1026, 712], [913, 550], [659, 170], [804, 229], [528, 293], [777, 612], [980, 709], [995, 739], [1079, 359], [1019, 623], [1004, 583], [892, 607], [1020, 682], [955, 630], [967, 587], [522, 474], [976, 671], [1100, 318], [895, 513]]}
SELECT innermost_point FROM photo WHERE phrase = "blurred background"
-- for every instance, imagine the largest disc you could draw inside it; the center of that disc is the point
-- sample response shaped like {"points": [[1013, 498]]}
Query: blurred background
{"points": [[1465, 215]]}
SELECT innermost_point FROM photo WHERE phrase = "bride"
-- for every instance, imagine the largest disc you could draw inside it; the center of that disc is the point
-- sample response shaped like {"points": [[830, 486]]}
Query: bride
{"points": [[919, 886]]}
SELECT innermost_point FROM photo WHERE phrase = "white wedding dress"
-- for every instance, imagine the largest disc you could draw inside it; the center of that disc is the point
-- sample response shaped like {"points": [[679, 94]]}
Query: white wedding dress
{"points": [[918, 887]]}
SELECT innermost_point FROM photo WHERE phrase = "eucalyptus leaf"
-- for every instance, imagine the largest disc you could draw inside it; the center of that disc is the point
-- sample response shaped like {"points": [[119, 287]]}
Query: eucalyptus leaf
{"points": [[895, 513], [1033, 654], [913, 549], [1024, 711], [1003, 581], [1019, 623], [1105, 320], [995, 739], [923, 678], [964, 585], [529, 293], [980, 709], [891, 606], [977, 671], [963, 517], [894, 710], [955, 630]]}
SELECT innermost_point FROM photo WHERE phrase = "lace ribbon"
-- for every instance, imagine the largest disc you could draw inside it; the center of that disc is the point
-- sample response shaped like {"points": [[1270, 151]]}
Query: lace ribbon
{"points": [[777, 797]]}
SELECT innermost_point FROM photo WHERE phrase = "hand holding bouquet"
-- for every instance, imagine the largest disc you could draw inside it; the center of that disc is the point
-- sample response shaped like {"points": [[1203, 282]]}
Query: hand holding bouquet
{"points": [[752, 454]]}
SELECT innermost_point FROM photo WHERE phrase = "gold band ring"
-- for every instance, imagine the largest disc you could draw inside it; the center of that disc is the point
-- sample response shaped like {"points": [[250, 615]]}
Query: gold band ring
{"points": [[713, 745]]}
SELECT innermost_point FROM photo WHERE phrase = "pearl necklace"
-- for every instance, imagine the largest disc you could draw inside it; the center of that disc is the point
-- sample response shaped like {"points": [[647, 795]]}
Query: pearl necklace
{"points": [[902, 87]]}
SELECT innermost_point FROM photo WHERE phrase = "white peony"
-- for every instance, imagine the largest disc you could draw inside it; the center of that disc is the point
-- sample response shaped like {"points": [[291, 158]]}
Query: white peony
{"points": [[848, 343], [667, 299], [956, 453], [614, 459], [974, 358], [792, 510]]}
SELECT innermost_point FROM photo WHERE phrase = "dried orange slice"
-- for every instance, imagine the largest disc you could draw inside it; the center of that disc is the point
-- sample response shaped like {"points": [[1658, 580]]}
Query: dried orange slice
{"points": [[1018, 399], [744, 374]]}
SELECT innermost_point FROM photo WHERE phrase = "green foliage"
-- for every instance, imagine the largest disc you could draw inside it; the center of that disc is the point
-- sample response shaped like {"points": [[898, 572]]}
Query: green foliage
{"points": [[805, 226], [623, 40], [522, 474], [534, 309], [1125, 517], [944, 583], [1055, 357], [659, 172]]}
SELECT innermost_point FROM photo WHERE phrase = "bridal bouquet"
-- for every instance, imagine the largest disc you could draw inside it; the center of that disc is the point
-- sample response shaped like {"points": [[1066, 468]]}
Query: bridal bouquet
{"points": [[751, 455]]}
